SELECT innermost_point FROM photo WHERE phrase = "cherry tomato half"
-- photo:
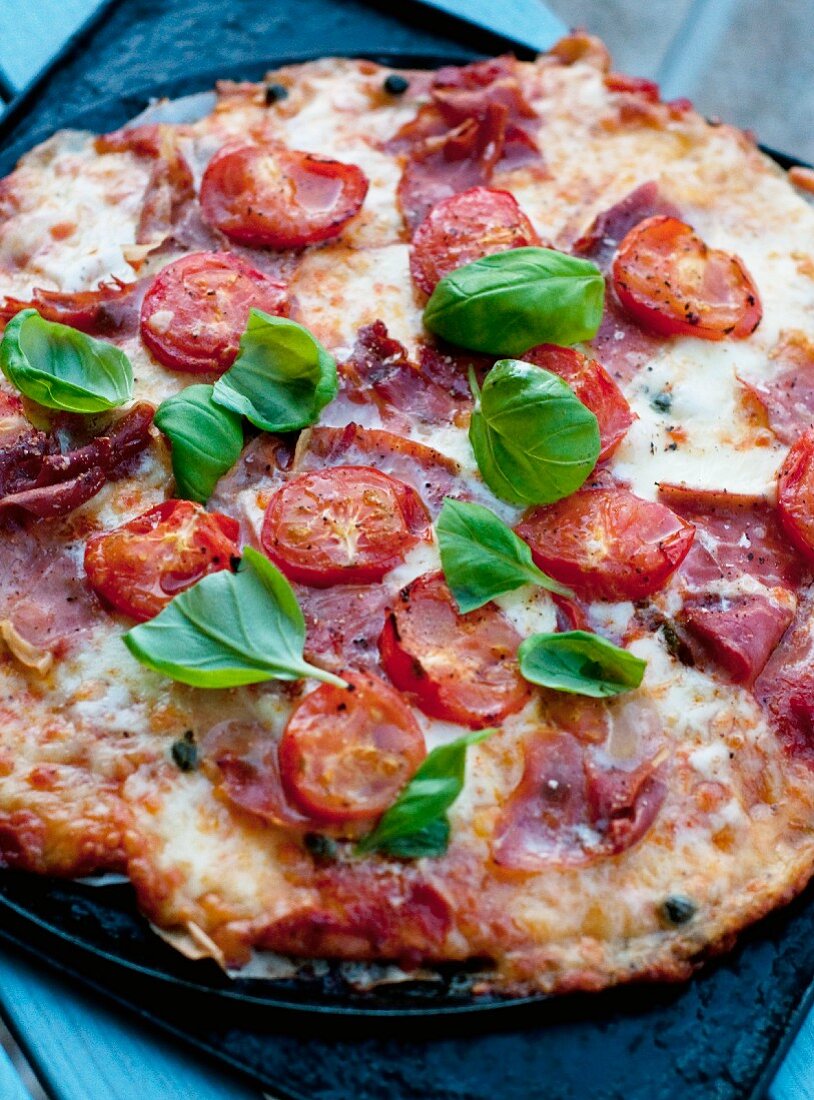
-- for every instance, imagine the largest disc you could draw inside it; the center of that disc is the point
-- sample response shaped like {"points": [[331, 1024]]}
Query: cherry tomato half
{"points": [[197, 307], [343, 525], [461, 668], [139, 567], [347, 752], [272, 197], [593, 386], [608, 544], [672, 283], [463, 228], [795, 495]]}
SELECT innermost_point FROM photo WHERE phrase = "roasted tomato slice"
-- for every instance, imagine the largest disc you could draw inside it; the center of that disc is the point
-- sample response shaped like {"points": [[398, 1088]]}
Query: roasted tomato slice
{"points": [[197, 307], [672, 283], [272, 197], [461, 668], [139, 567], [593, 386], [608, 544], [795, 495], [344, 525], [463, 228], [347, 752]]}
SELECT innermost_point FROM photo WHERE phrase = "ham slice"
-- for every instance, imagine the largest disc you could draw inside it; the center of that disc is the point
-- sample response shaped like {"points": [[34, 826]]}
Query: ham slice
{"points": [[42, 588], [343, 624], [601, 239], [247, 773], [170, 188], [365, 913]]}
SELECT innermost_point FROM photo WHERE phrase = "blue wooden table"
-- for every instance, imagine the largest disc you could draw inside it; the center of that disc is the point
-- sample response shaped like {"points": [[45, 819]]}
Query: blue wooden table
{"points": [[83, 1048]]}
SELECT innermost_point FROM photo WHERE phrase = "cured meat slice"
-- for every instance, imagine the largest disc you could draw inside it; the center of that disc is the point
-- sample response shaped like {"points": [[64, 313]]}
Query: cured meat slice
{"points": [[740, 634], [431, 474], [575, 803], [379, 373], [36, 477], [788, 394], [736, 534], [478, 122], [785, 688], [112, 310]]}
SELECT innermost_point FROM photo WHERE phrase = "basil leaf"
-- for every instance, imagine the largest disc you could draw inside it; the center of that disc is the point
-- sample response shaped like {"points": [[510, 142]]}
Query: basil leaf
{"points": [[282, 376], [411, 823], [482, 557], [229, 629], [506, 303], [206, 440], [432, 840], [534, 440], [61, 368], [580, 663]]}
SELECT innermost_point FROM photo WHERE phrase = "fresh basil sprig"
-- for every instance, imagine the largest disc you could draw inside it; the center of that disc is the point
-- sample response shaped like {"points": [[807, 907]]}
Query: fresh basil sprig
{"points": [[534, 440], [281, 378], [482, 557], [206, 440], [580, 663], [229, 629], [416, 824], [506, 303], [61, 368]]}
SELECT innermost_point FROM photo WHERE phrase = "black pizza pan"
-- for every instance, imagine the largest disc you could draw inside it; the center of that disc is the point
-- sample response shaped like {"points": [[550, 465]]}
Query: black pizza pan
{"points": [[604, 1045]]}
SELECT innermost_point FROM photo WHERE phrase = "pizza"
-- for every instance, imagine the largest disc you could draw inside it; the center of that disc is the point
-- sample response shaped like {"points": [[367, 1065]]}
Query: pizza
{"points": [[407, 523]]}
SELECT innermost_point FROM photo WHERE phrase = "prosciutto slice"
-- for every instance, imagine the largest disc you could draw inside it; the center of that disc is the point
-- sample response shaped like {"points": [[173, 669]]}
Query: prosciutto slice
{"points": [[785, 687], [478, 122], [431, 474], [42, 588], [38, 478], [736, 536], [621, 345], [112, 310], [170, 188], [601, 239], [579, 801], [788, 395], [380, 373], [740, 634]]}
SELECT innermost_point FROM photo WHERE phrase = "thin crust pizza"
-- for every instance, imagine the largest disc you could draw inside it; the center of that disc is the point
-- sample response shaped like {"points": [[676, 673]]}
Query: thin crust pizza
{"points": [[407, 522]]}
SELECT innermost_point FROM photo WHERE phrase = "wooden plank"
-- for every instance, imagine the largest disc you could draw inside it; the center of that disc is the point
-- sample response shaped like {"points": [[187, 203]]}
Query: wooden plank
{"points": [[795, 1078], [82, 1048], [526, 21], [11, 1087], [750, 63], [31, 33]]}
